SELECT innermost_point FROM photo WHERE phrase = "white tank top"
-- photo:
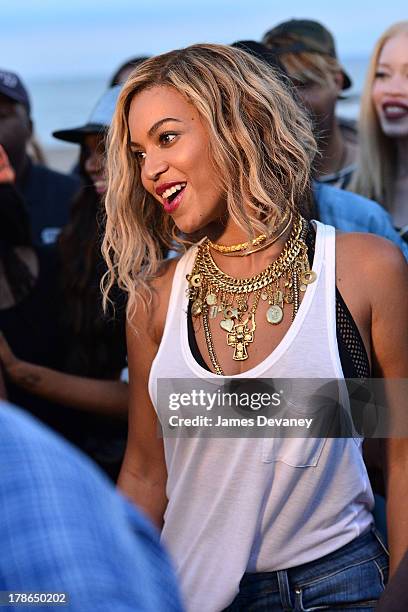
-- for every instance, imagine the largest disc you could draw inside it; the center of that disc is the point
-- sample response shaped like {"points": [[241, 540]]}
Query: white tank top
{"points": [[259, 504]]}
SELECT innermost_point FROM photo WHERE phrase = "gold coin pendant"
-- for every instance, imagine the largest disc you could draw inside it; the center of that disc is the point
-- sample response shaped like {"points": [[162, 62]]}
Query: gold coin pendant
{"points": [[211, 299], [274, 314]]}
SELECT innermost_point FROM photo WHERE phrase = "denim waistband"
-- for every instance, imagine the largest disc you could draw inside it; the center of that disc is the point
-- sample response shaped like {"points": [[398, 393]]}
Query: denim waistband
{"points": [[363, 548]]}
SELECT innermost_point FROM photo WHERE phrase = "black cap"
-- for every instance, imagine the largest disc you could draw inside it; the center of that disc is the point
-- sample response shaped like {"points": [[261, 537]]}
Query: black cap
{"points": [[308, 36], [99, 120], [12, 87], [259, 51]]}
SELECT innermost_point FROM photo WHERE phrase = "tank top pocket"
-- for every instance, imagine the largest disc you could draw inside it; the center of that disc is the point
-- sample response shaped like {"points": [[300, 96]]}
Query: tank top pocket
{"points": [[296, 452]]}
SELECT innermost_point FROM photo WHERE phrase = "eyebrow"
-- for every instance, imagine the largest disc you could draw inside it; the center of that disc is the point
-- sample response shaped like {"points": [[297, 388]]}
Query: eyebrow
{"points": [[156, 126], [386, 65]]}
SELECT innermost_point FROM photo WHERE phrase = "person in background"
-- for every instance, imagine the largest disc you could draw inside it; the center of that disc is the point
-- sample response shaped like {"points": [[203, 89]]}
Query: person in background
{"points": [[345, 210], [382, 171], [122, 73], [61, 356], [46, 193], [65, 530], [307, 52]]}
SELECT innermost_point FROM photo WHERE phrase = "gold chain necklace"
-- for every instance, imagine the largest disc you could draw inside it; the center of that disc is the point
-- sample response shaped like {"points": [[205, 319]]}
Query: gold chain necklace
{"points": [[213, 292], [260, 241], [263, 245]]}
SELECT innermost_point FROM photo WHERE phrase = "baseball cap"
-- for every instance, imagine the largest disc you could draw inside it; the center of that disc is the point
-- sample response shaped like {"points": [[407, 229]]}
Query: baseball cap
{"points": [[308, 36], [12, 87], [259, 51], [99, 119]]}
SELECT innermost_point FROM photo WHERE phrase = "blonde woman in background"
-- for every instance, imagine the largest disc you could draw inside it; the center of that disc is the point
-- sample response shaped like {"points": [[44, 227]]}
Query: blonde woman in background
{"points": [[382, 172], [207, 144]]}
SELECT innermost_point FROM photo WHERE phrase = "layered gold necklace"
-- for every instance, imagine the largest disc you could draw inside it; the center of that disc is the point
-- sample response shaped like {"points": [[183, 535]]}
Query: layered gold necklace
{"points": [[235, 300]]}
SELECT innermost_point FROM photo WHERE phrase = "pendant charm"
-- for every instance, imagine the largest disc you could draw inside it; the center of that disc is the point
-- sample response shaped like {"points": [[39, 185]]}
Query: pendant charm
{"points": [[227, 325], [196, 308], [264, 296], [211, 299], [278, 297], [240, 337], [195, 280], [274, 314], [231, 313], [307, 278], [213, 312]]}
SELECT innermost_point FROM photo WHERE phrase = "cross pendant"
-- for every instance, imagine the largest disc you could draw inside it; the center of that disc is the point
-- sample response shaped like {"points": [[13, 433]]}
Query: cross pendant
{"points": [[240, 337]]}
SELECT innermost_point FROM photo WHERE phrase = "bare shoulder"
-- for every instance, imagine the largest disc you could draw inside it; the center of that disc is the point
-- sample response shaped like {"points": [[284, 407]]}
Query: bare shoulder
{"points": [[161, 290], [375, 257], [161, 285], [147, 322]]}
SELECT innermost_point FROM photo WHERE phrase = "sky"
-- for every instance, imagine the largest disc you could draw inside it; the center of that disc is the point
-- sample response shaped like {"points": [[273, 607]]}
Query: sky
{"points": [[73, 38]]}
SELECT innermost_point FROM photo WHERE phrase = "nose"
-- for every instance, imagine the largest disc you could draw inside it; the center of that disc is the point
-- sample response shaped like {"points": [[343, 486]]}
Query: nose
{"points": [[93, 162], [396, 85], [155, 164]]}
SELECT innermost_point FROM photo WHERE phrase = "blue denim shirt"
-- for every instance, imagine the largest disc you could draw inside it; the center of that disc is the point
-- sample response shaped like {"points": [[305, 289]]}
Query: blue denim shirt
{"points": [[351, 212], [64, 528]]}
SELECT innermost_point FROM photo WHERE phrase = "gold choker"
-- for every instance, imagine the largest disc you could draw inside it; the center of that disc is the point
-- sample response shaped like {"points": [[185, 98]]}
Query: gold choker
{"points": [[260, 242]]}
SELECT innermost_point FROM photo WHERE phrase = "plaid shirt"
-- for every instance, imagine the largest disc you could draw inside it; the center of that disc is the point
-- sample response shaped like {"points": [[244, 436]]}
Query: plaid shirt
{"points": [[64, 528]]}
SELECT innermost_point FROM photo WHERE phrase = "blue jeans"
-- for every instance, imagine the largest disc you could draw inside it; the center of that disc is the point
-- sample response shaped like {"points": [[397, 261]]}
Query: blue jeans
{"points": [[351, 578]]}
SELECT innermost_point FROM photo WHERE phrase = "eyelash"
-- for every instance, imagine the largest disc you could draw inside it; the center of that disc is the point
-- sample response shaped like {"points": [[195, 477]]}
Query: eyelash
{"points": [[138, 155], [380, 75], [165, 135]]}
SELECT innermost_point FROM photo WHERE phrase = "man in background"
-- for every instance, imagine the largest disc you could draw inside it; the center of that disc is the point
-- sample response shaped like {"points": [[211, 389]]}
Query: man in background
{"points": [[47, 194], [307, 53], [64, 529]]}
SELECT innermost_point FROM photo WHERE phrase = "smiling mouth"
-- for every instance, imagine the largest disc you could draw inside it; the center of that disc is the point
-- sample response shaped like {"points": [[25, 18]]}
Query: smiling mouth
{"points": [[395, 111], [100, 185], [171, 192], [173, 196]]}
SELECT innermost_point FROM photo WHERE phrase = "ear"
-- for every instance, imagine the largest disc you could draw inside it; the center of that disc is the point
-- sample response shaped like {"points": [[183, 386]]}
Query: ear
{"points": [[30, 126], [339, 80]]}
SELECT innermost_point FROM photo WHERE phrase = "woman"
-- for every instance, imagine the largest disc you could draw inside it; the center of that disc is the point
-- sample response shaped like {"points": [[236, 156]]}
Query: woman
{"points": [[382, 173], [208, 147], [62, 357]]}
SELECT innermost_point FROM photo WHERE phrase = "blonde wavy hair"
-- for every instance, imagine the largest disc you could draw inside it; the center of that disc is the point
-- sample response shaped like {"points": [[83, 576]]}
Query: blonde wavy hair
{"points": [[261, 145], [377, 164]]}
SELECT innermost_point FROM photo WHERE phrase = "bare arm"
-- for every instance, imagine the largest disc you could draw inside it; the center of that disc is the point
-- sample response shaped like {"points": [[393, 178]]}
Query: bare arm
{"points": [[390, 361], [143, 476], [108, 397], [372, 276]]}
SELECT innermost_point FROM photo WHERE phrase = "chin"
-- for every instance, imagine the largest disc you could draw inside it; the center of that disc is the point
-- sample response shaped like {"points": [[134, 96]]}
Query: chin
{"points": [[191, 229], [191, 226], [395, 131]]}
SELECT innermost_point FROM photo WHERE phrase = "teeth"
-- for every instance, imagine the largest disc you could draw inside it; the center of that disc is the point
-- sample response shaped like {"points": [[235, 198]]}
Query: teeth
{"points": [[166, 194], [395, 109]]}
